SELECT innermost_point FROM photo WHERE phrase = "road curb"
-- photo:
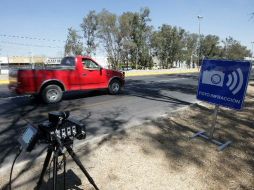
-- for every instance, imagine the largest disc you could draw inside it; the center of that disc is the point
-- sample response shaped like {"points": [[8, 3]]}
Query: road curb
{"points": [[4, 82], [130, 74]]}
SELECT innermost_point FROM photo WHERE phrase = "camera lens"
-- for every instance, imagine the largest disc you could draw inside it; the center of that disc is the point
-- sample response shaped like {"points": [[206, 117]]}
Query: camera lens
{"points": [[216, 79]]}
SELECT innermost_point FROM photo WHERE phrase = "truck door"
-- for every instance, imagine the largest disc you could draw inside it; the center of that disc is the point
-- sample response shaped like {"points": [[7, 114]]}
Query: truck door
{"points": [[91, 75]]}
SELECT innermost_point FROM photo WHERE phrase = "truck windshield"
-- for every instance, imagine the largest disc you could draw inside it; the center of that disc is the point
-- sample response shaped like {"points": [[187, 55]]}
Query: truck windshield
{"points": [[68, 61]]}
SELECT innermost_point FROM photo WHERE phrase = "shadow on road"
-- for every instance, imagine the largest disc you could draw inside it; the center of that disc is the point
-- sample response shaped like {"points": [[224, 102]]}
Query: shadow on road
{"points": [[83, 94], [158, 91]]}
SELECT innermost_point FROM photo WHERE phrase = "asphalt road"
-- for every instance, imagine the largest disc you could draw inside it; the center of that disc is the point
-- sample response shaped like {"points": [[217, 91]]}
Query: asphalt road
{"points": [[144, 98]]}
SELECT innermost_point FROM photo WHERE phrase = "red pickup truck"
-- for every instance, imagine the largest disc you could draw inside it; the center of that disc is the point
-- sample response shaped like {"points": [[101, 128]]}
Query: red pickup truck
{"points": [[74, 73]]}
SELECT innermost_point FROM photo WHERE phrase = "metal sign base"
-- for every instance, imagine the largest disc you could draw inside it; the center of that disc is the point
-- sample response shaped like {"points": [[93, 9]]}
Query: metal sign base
{"points": [[210, 136], [218, 143]]}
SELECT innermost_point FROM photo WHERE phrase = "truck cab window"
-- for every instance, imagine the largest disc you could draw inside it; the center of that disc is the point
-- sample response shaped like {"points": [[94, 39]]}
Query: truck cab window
{"points": [[68, 61], [89, 64]]}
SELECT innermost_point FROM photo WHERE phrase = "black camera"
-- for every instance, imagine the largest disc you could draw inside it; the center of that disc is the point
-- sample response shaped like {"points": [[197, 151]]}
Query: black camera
{"points": [[58, 127]]}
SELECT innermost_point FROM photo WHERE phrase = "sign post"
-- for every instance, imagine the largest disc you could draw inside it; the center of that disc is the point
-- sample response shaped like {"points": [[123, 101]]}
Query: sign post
{"points": [[216, 109], [222, 83]]}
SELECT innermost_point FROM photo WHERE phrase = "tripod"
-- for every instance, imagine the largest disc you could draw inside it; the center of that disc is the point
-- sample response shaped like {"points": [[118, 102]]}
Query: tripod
{"points": [[57, 149]]}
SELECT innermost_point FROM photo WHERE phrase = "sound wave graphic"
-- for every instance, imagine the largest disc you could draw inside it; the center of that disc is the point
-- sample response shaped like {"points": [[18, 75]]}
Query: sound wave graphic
{"points": [[235, 82]]}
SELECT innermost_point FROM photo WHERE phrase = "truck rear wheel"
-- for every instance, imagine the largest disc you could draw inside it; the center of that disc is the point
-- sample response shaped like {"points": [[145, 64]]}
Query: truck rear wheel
{"points": [[114, 87], [52, 94]]}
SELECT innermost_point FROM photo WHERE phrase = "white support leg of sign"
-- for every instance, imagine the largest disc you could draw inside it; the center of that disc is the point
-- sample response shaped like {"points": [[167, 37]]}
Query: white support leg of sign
{"points": [[209, 137], [215, 114]]}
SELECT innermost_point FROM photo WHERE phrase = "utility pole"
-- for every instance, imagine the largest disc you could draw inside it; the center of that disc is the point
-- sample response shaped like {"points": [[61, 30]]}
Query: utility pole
{"points": [[199, 37]]}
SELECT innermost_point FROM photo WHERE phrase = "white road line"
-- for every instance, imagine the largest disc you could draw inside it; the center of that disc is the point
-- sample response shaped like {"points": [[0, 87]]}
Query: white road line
{"points": [[11, 97]]}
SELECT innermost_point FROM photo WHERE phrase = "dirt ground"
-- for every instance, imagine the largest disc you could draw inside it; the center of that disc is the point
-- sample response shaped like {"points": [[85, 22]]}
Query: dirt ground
{"points": [[162, 155]]}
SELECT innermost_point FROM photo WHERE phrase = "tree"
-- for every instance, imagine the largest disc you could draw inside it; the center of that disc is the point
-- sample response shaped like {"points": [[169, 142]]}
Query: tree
{"points": [[179, 45], [108, 32], [89, 27], [168, 45], [191, 45], [141, 35], [73, 44], [128, 45], [209, 46], [234, 50], [129, 40]]}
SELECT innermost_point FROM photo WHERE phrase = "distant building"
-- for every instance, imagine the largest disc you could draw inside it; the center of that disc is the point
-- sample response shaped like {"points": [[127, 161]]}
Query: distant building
{"points": [[4, 65], [4, 60], [26, 59], [249, 59], [53, 60], [158, 65]]}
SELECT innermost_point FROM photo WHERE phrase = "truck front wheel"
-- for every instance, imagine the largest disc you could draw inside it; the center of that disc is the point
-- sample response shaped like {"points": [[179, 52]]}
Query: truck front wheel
{"points": [[114, 87], [52, 94]]}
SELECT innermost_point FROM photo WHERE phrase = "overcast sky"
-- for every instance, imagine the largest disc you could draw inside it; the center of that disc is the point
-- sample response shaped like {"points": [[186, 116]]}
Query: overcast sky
{"points": [[46, 21]]}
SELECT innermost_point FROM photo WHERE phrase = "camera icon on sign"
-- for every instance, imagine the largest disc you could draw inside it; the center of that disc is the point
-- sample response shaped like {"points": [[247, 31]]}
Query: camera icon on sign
{"points": [[215, 78]]}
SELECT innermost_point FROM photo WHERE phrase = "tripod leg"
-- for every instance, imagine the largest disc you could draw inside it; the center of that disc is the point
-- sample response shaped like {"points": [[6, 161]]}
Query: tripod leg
{"points": [[64, 158], [78, 162], [55, 169], [45, 165]]}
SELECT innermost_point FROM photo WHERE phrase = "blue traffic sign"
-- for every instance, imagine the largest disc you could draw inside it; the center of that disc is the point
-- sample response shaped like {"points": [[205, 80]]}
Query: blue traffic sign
{"points": [[224, 82]]}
